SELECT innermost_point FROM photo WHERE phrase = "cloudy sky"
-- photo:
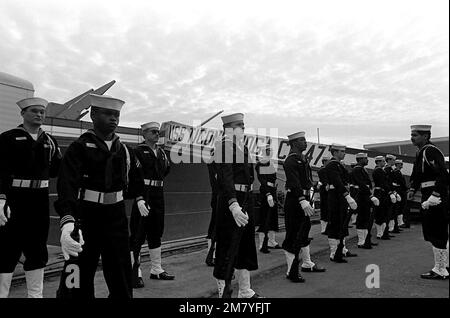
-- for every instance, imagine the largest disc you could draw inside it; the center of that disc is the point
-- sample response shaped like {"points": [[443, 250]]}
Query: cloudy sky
{"points": [[361, 71]]}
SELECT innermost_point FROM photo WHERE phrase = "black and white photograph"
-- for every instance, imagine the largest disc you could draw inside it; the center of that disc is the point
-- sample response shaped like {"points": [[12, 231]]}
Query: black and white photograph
{"points": [[199, 153]]}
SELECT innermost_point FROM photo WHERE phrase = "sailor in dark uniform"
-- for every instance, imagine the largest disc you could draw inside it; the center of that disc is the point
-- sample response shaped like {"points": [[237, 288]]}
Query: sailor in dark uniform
{"points": [[430, 176], [235, 227], [365, 199], [402, 190], [395, 197], [267, 176], [29, 158], [322, 185], [155, 167], [97, 173], [298, 210], [382, 190], [399, 186], [339, 199], [352, 214]]}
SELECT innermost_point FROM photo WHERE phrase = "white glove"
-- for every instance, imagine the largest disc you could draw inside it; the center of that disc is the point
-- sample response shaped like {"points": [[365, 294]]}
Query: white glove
{"points": [[307, 208], [375, 201], [393, 198], [351, 202], [68, 245], [240, 217], [142, 208], [3, 218], [398, 197], [432, 201], [270, 200], [319, 184]]}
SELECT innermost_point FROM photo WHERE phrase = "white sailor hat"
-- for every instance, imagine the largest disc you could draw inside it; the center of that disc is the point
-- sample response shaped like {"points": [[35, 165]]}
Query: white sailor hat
{"points": [[421, 127], [337, 147], [378, 158], [353, 163], [150, 125], [398, 161], [233, 118], [391, 157], [32, 101], [361, 155], [105, 101], [300, 134]]}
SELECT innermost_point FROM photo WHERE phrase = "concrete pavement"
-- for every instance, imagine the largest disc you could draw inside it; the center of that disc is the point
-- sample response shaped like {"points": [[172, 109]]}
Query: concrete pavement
{"points": [[401, 260]]}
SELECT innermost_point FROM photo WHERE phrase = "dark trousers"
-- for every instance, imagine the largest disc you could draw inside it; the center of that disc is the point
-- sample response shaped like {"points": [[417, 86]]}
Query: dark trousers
{"points": [[297, 225], [153, 224], [105, 233], [363, 217], [268, 216], [435, 221], [26, 231], [337, 227], [381, 211], [323, 205], [230, 236], [212, 222]]}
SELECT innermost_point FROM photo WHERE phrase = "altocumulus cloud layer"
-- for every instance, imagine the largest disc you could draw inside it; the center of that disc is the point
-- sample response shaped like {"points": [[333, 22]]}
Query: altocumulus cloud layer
{"points": [[362, 73]]}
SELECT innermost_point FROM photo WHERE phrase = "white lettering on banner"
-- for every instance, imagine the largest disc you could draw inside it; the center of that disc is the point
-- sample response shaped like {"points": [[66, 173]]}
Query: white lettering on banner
{"points": [[199, 141]]}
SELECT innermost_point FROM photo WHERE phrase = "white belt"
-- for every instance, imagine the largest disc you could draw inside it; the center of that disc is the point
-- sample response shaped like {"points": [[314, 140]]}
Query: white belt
{"points": [[270, 184], [355, 186], [34, 184], [103, 197], [243, 187], [395, 184], [154, 183], [378, 188], [304, 192], [331, 187], [428, 184]]}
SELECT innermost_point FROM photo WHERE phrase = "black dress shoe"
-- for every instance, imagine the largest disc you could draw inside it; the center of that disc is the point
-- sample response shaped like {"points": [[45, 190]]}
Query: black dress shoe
{"points": [[276, 247], [338, 260], [314, 269], [295, 278], [404, 226], [350, 254], [162, 276], [397, 231], [264, 250], [365, 246], [386, 237], [138, 283], [373, 244], [433, 275]]}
